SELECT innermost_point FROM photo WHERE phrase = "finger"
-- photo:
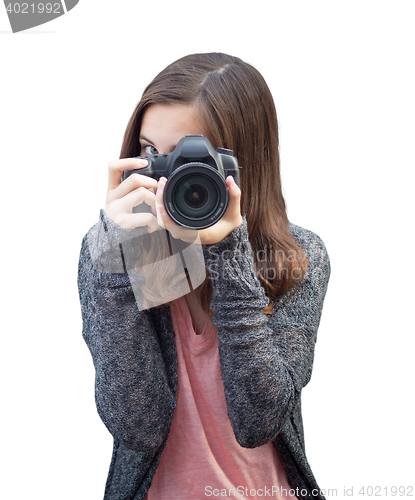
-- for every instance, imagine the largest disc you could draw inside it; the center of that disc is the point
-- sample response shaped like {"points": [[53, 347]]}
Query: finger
{"points": [[234, 206], [117, 167], [160, 190], [162, 216], [131, 183]]}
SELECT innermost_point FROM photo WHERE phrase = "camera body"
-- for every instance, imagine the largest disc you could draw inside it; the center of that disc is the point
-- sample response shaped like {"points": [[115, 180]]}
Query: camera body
{"points": [[195, 195]]}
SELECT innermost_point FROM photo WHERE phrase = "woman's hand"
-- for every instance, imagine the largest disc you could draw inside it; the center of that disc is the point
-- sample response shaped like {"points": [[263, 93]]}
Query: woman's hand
{"points": [[231, 219], [123, 196]]}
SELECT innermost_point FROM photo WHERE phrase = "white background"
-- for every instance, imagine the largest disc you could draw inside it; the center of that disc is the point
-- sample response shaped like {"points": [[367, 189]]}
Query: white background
{"points": [[342, 75]]}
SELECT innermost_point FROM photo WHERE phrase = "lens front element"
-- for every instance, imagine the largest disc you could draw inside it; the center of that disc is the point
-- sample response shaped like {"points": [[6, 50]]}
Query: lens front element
{"points": [[195, 196]]}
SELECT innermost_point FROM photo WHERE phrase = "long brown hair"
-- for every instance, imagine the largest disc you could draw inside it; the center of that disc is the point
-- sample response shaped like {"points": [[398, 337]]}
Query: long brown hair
{"points": [[237, 112]]}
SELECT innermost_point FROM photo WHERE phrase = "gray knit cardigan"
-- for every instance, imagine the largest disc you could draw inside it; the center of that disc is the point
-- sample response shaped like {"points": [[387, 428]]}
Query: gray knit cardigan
{"points": [[265, 360]]}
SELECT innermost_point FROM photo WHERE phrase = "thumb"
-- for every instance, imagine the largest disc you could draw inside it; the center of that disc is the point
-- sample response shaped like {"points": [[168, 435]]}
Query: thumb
{"points": [[234, 206]]}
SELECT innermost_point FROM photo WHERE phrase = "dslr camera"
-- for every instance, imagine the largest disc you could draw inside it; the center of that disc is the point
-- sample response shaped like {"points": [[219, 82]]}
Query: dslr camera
{"points": [[195, 195]]}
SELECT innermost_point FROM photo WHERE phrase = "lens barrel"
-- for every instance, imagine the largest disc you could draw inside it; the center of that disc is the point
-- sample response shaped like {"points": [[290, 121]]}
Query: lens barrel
{"points": [[196, 195]]}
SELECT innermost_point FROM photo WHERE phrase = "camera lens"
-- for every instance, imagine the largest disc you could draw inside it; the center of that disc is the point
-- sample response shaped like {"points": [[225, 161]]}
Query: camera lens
{"points": [[195, 196]]}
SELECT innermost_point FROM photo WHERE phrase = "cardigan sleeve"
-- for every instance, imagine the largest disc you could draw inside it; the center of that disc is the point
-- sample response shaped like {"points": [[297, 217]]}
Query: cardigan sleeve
{"points": [[132, 394], [265, 360]]}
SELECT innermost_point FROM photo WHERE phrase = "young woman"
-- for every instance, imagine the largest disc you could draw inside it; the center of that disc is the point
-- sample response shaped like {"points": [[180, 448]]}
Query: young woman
{"points": [[202, 393]]}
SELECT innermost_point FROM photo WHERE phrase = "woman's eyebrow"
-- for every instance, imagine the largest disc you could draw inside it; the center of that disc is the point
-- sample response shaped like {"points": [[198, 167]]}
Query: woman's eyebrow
{"points": [[145, 139]]}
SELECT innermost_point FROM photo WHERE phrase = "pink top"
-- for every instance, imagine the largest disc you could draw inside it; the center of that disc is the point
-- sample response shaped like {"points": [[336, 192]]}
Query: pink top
{"points": [[202, 457]]}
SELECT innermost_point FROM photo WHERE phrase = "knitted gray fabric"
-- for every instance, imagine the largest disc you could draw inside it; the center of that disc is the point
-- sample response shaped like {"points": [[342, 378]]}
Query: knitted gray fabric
{"points": [[265, 361]]}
